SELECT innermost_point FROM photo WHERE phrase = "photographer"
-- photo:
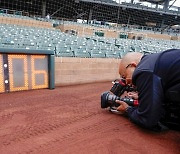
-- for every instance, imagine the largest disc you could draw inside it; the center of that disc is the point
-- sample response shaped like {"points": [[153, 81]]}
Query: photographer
{"points": [[157, 79]]}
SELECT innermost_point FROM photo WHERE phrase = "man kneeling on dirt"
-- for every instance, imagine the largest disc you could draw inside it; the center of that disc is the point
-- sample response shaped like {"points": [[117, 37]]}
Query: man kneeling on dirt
{"points": [[157, 79]]}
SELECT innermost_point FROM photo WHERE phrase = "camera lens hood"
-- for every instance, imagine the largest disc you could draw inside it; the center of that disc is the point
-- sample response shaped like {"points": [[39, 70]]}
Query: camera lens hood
{"points": [[104, 99]]}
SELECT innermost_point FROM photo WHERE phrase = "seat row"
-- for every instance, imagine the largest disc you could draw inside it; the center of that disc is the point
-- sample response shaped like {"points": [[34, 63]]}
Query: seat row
{"points": [[63, 44]]}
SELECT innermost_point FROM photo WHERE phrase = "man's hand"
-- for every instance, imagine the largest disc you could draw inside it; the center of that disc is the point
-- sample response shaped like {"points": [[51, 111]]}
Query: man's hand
{"points": [[123, 106], [133, 95]]}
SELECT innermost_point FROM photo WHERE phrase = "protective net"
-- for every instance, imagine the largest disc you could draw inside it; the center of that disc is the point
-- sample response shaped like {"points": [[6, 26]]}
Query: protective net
{"points": [[89, 28]]}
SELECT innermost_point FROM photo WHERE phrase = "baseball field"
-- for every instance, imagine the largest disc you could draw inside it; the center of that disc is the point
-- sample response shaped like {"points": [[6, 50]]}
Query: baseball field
{"points": [[69, 120]]}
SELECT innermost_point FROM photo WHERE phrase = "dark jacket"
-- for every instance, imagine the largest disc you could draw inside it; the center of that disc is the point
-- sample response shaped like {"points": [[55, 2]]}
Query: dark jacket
{"points": [[153, 77]]}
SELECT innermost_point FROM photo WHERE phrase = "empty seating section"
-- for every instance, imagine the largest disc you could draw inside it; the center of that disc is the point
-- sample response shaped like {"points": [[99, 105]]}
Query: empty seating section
{"points": [[66, 45], [26, 37]]}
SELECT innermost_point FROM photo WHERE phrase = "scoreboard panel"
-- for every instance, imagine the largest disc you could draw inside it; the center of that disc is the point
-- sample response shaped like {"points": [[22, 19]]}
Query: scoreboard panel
{"points": [[26, 69]]}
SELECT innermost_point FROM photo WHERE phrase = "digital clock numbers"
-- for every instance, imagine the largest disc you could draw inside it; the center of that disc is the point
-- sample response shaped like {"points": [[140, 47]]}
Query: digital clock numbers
{"points": [[20, 71]]}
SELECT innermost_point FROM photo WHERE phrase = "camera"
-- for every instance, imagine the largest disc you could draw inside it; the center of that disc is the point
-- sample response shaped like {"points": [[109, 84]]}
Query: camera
{"points": [[120, 86], [108, 98]]}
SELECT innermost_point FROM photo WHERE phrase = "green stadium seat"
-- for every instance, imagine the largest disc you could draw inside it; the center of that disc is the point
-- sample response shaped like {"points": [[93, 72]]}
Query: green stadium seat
{"points": [[112, 54], [64, 54], [80, 52], [63, 51], [96, 53]]}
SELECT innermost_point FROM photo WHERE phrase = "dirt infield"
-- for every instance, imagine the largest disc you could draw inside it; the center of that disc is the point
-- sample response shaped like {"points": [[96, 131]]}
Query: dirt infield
{"points": [[69, 120]]}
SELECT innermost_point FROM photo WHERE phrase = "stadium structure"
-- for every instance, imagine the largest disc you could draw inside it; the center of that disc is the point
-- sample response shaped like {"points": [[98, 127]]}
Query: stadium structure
{"points": [[89, 28], [101, 10], [74, 47]]}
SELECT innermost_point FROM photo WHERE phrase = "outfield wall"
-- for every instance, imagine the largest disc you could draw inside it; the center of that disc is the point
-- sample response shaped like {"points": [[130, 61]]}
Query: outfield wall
{"points": [[69, 71]]}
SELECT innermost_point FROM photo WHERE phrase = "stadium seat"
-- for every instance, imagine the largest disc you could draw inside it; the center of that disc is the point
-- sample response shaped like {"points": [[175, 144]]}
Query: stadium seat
{"points": [[113, 54], [80, 52], [96, 53], [63, 51]]}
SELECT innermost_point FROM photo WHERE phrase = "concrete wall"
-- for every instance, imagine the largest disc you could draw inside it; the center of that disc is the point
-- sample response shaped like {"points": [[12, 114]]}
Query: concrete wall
{"points": [[89, 30], [176, 38], [109, 33], [159, 36], [69, 71], [25, 22], [149, 35]]}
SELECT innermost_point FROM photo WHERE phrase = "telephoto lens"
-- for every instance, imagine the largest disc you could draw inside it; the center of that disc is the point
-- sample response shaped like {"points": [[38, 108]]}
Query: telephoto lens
{"points": [[109, 100]]}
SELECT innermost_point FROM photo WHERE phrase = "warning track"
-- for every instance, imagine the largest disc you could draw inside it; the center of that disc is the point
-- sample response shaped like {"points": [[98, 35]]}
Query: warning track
{"points": [[69, 120]]}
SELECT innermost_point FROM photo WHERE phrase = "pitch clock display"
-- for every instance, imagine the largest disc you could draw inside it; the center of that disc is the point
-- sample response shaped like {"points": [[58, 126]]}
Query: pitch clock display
{"points": [[19, 71]]}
